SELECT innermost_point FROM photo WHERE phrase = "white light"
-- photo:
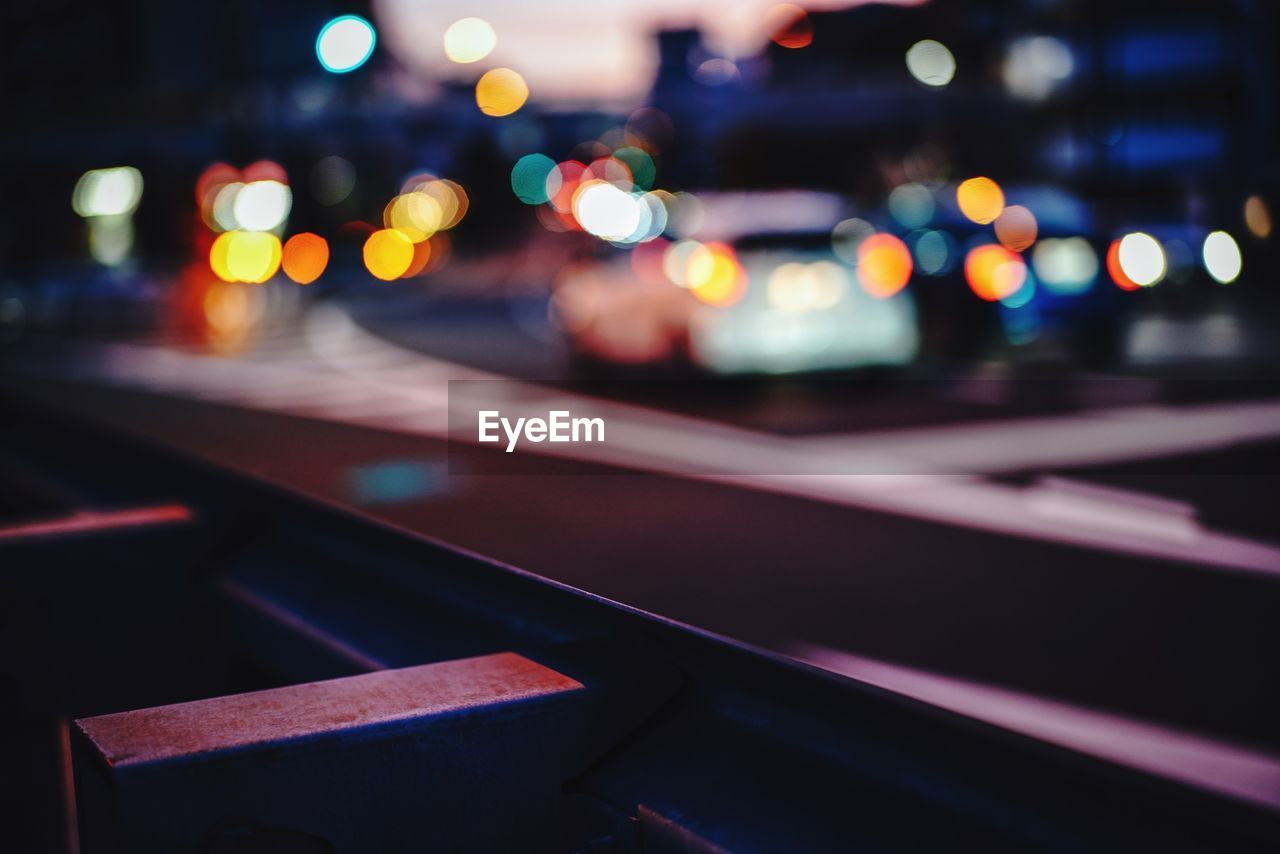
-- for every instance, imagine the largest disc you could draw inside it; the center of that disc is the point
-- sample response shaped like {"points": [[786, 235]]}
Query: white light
{"points": [[605, 211], [675, 263], [1066, 265], [345, 44], [1142, 258], [796, 287], [847, 236], [110, 238], [653, 219], [931, 63], [1222, 257], [469, 40], [684, 214], [224, 206], [107, 192], [1035, 66], [261, 205]]}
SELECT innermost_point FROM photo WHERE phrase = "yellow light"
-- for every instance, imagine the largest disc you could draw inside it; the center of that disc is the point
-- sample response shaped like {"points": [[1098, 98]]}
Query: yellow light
{"points": [[305, 257], [415, 214], [252, 256], [218, 257], [980, 199], [469, 40], [714, 274], [501, 92], [451, 198], [388, 254], [1016, 228]]}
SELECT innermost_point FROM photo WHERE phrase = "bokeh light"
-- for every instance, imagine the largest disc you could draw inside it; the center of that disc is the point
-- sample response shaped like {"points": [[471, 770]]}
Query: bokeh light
{"points": [[110, 238], [931, 63], [1016, 228], [1142, 259], [789, 26], [714, 275], [245, 256], [529, 178], [675, 263], [993, 272], [421, 259], [261, 205], [222, 213], [228, 309], [562, 183], [451, 197], [612, 170], [305, 257], [796, 287], [387, 254], [641, 165], [1035, 66], [684, 214], [345, 44], [605, 211], [980, 199], [884, 265], [469, 40], [847, 236], [1066, 265], [415, 215], [1257, 218], [107, 192], [911, 205], [1222, 258], [935, 252], [1116, 271], [218, 257], [501, 92]]}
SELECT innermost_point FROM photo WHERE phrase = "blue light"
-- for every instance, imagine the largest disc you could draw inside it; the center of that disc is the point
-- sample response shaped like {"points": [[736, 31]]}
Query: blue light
{"points": [[345, 44]]}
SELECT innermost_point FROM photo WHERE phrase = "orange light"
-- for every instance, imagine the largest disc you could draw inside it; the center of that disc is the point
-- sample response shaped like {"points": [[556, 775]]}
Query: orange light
{"points": [[789, 26], [715, 276], [421, 256], [980, 199], [388, 253], [1122, 281], [993, 272], [226, 308], [500, 92], [1016, 228], [305, 257], [884, 265]]}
